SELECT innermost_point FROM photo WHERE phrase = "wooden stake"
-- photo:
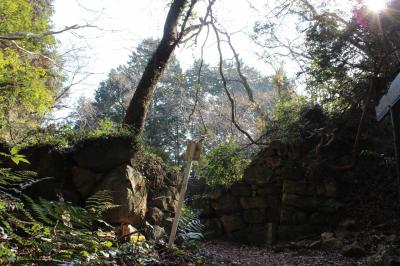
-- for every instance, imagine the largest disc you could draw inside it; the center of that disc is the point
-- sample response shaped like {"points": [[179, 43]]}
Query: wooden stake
{"points": [[394, 113], [191, 152]]}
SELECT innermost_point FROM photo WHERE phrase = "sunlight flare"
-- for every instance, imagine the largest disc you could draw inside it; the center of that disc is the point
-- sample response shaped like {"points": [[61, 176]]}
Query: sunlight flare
{"points": [[375, 5]]}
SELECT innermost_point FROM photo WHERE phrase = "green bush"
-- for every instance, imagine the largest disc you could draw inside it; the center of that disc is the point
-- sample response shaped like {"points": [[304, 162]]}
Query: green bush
{"points": [[223, 164]]}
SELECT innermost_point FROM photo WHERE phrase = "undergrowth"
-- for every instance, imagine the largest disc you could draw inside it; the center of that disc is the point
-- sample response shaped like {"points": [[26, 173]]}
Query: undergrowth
{"points": [[42, 232]]}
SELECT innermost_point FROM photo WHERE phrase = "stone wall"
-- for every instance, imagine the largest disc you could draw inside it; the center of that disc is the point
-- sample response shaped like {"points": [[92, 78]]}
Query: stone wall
{"points": [[141, 186], [276, 201]]}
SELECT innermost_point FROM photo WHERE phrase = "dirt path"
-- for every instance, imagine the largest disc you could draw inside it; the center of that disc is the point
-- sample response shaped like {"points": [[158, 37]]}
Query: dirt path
{"points": [[235, 254]]}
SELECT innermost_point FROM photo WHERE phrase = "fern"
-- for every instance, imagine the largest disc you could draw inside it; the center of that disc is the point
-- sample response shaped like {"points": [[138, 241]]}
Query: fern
{"points": [[100, 202], [190, 227], [12, 183]]}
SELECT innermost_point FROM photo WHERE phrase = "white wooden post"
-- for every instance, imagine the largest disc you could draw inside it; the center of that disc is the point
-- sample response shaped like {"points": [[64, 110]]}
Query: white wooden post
{"points": [[191, 156]]}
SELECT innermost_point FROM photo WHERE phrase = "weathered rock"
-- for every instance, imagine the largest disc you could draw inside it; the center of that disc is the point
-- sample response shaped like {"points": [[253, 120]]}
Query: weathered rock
{"points": [[348, 224], [46, 161], [232, 223], [255, 216], [331, 242], [215, 194], [173, 205], [155, 215], [298, 188], [197, 187], [354, 251], [267, 190], [257, 202], [84, 180], [203, 204], [391, 260], [315, 244], [173, 179], [52, 189], [343, 234], [212, 228], [328, 205], [292, 216], [258, 174], [161, 202], [157, 232], [104, 154], [273, 162], [227, 204], [390, 256], [153, 170], [272, 233], [274, 208], [128, 190], [169, 192], [301, 202], [326, 189], [241, 189], [125, 231], [327, 235], [167, 224], [319, 218]]}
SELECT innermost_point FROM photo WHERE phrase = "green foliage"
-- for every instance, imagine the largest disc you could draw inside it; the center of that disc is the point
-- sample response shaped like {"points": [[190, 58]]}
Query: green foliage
{"points": [[14, 156], [223, 164], [347, 59], [39, 232], [26, 77], [285, 119], [65, 136], [34, 229], [190, 227]]}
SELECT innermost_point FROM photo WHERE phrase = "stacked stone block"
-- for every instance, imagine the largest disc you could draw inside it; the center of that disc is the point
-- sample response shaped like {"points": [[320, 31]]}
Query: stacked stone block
{"points": [[275, 201]]}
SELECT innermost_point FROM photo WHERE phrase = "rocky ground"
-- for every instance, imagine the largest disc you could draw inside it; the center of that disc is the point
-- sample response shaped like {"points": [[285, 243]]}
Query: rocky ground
{"points": [[235, 254]]}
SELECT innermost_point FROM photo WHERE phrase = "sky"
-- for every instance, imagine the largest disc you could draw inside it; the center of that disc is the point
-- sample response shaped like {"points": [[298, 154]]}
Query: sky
{"points": [[122, 24]]}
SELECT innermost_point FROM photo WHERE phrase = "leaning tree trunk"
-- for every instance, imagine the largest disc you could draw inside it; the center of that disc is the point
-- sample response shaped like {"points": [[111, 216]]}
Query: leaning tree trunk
{"points": [[137, 110]]}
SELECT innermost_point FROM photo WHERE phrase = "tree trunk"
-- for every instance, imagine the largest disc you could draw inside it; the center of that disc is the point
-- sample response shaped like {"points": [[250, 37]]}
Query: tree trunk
{"points": [[137, 110]]}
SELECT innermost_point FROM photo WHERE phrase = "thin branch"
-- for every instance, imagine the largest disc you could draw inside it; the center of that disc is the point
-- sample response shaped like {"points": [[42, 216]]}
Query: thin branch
{"points": [[198, 84], [23, 35], [224, 82]]}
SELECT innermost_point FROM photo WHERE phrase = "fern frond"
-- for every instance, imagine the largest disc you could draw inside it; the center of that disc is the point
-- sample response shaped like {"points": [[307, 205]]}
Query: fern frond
{"points": [[190, 227], [100, 202]]}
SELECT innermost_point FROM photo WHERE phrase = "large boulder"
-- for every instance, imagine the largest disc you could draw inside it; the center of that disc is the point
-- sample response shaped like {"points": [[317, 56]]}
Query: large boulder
{"points": [[298, 188], [258, 174], [46, 161], [354, 251], [227, 204], [128, 190], [84, 180], [257, 202], [203, 204], [232, 223], [241, 189], [212, 228], [103, 154], [166, 199], [290, 216], [155, 216], [255, 216]]}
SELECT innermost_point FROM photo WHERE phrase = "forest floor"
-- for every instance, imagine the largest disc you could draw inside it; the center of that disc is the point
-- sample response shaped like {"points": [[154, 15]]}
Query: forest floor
{"points": [[227, 253]]}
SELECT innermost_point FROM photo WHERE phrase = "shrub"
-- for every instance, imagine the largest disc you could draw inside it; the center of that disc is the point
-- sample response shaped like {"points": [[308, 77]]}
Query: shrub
{"points": [[223, 164]]}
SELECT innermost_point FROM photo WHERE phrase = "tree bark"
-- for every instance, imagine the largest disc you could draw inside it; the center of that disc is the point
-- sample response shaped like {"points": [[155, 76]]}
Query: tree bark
{"points": [[137, 110]]}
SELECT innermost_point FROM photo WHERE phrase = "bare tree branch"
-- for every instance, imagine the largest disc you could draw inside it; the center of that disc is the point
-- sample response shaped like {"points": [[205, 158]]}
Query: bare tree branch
{"points": [[224, 83], [23, 35]]}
